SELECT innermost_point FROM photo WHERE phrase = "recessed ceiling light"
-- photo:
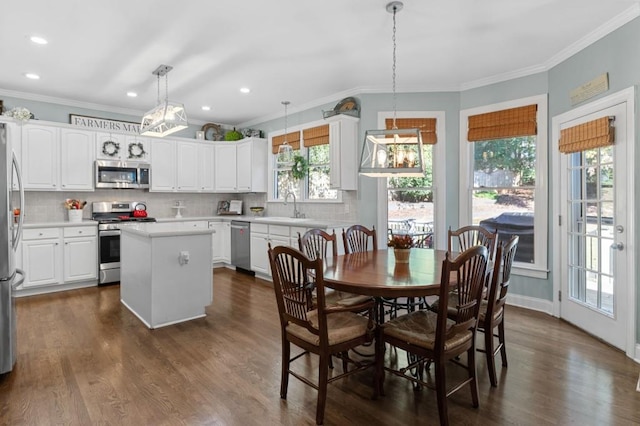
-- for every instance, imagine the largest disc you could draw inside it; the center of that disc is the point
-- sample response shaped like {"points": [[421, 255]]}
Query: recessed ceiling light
{"points": [[132, 94], [32, 76], [38, 40], [206, 108], [245, 90]]}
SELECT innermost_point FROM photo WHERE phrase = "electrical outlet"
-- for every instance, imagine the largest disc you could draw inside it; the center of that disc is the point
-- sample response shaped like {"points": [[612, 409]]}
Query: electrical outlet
{"points": [[346, 207]]}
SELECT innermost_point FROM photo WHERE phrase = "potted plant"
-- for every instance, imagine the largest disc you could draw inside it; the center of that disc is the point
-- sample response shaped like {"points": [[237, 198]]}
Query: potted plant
{"points": [[401, 247]]}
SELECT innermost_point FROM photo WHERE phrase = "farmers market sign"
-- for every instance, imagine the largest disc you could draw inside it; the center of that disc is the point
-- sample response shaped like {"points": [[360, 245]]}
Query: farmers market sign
{"points": [[104, 124]]}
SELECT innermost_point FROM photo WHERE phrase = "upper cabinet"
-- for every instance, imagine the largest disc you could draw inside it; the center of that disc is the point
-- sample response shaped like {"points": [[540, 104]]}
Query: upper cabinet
{"points": [[343, 137], [76, 160], [181, 166], [119, 147], [241, 166], [40, 148], [55, 159]]}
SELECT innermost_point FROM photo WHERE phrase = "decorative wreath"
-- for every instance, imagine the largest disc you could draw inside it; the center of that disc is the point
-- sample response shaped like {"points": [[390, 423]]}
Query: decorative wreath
{"points": [[138, 147], [300, 167], [110, 148]]}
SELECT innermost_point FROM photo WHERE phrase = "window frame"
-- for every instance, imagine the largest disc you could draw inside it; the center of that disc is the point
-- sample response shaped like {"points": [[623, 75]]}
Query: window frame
{"points": [[538, 269], [438, 183], [271, 181]]}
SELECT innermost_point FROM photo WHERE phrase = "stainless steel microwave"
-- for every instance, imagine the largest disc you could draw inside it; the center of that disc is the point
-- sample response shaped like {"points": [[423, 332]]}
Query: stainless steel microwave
{"points": [[122, 174]]}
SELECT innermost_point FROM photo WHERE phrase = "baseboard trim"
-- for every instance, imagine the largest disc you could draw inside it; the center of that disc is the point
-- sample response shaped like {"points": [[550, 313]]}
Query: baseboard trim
{"points": [[33, 291], [532, 303]]}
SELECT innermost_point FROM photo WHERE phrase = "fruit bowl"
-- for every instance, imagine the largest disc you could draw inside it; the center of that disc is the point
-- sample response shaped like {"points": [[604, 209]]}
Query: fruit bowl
{"points": [[257, 211]]}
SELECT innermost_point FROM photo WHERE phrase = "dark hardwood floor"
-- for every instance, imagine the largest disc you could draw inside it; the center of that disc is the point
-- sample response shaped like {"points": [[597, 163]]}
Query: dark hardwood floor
{"points": [[84, 359]]}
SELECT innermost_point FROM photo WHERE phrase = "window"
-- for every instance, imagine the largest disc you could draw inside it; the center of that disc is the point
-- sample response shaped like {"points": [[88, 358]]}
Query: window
{"points": [[314, 147], [503, 175]]}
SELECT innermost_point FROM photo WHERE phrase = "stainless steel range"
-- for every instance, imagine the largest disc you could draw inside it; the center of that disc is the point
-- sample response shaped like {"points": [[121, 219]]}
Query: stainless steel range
{"points": [[111, 216]]}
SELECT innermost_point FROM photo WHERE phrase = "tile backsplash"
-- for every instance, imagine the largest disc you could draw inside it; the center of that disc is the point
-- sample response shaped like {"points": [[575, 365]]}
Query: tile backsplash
{"points": [[45, 206]]}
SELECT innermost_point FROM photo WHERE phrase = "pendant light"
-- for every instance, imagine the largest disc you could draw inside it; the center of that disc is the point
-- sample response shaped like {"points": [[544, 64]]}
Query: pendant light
{"points": [[284, 158], [167, 117], [392, 152]]}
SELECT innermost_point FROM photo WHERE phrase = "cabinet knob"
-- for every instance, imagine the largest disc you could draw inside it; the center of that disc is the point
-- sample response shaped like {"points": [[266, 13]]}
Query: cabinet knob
{"points": [[79, 232], [40, 234]]}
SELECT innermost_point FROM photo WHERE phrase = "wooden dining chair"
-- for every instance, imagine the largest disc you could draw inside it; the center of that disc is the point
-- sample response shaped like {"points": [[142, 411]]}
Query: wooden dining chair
{"points": [[317, 243], [433, 336], [322, 330], [358, 238], [492, 308], [468, 236]]}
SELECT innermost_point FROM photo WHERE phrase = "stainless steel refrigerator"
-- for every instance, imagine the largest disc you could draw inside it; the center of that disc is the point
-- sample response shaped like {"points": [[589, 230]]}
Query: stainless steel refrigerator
{"points": [[10, 232]]}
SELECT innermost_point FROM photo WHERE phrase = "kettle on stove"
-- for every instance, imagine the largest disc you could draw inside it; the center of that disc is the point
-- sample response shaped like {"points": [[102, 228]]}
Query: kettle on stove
{"points": [[140, 210]]}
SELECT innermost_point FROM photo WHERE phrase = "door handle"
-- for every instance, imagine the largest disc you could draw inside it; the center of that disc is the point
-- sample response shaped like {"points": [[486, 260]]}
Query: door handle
{"points": [[618, 246]]}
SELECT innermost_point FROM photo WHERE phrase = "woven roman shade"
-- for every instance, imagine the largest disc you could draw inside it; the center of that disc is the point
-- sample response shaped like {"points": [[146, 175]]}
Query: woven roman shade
{"points": [[507, 123], [316, 136], [593, 134], [427, 127], [293, 139]]}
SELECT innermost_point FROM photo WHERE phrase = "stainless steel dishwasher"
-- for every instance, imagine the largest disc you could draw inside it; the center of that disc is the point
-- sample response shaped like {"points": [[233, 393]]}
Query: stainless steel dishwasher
{"points": [[241, 245]]}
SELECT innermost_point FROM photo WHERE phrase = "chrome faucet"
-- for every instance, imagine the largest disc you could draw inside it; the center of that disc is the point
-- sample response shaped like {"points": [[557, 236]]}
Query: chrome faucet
{"points": [[296, 213]]}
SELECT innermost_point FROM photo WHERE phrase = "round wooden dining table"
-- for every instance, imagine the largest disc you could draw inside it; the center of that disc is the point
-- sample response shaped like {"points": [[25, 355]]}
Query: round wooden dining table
{"points": [[376, 273]]}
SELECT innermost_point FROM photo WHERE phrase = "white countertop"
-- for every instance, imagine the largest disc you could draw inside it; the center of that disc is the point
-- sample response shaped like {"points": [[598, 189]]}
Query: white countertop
{"points": [[152, 230], [269, 220]]}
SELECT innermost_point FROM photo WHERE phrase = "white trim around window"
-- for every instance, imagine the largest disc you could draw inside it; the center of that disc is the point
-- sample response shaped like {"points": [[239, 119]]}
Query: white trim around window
{"points": [[439, 176], [539, 268], [272, 159]]}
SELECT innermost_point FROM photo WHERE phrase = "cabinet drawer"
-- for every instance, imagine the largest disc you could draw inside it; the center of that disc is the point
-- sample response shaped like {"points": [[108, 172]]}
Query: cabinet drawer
{"points": [[80, 231], [41, 233], [279, 230], [197, 224], [260, 228]]}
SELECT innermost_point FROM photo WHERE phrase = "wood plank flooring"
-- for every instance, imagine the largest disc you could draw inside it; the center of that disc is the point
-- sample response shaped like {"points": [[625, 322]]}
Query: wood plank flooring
{"points": [[84, 359]]}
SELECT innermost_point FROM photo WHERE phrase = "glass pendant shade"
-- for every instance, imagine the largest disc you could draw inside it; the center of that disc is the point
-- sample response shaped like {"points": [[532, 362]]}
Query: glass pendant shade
{"points": [[392, 153], [164, 119], [284, 158]]}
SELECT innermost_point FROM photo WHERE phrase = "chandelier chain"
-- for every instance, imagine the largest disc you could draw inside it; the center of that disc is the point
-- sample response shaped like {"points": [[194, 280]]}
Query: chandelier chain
{"points": [[393, 69]]}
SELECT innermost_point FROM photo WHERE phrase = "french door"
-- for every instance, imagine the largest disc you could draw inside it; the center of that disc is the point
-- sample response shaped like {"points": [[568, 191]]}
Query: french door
{"points": [[596, 187]]}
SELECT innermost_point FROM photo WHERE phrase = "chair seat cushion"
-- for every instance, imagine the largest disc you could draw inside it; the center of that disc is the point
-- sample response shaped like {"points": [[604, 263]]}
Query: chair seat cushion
{"points": [[419, 329], [342, 327], [483, 312], [340, 298]]}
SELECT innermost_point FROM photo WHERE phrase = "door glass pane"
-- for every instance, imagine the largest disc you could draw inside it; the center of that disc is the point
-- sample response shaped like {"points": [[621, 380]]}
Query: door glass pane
{"points": [[590, 229]]}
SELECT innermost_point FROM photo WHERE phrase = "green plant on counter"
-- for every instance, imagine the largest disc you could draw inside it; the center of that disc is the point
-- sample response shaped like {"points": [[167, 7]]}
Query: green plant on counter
{"points": [[233, 135], [300, 167]]}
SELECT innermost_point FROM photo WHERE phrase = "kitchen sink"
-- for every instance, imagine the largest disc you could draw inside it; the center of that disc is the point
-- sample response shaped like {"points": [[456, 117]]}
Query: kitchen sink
{"points": [[282, 219]]}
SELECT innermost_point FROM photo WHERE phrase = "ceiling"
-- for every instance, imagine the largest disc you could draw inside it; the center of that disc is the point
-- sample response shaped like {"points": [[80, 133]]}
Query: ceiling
{"points": [[309, 53]]}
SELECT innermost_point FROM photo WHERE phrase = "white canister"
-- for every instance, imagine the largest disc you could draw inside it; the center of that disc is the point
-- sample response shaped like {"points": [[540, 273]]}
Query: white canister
{"points": [[75, 215]]}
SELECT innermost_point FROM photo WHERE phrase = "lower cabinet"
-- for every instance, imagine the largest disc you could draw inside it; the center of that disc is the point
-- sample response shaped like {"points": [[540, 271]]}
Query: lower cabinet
{"points": [[221, 242], [54, 256], [261, 236]]}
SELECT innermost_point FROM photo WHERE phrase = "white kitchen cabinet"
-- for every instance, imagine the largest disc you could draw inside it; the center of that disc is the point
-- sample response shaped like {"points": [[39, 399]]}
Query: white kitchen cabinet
{"points": [[216, 242], [137, 149], [80, 253], [206, 161], [241, 166], [195, 224], [54, 256], [226, 242], [163, 165], [121, 147], [261, 236], [343, 146], [259, 256], [76, 160], [225, 167], [181, 166], [14, 135], [55, 159], [187, 166], [41, 257], [40, 151]]}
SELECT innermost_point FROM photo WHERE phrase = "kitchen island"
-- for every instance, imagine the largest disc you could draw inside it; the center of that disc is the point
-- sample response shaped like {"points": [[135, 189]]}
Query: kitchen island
{"points": [[166, 274]]}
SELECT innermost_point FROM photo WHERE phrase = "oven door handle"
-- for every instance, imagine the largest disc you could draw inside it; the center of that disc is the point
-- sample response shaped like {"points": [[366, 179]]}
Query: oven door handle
{"points": [[109, 233]]}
